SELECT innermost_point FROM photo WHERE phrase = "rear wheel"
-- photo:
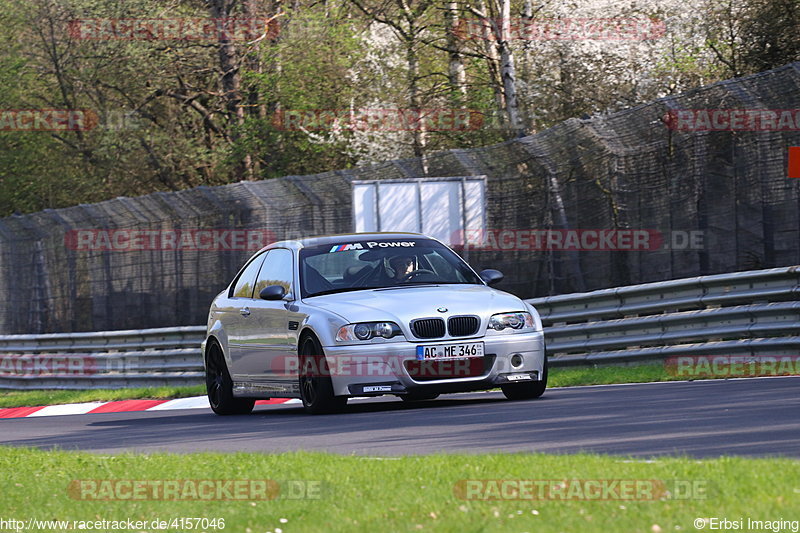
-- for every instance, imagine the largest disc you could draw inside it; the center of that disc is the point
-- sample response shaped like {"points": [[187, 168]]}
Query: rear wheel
{"points": [[219, 385], [527, 390], [316, 388]]}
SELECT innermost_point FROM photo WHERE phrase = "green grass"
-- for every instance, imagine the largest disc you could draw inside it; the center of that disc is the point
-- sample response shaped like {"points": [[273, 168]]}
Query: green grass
{"points": [[604, 375], [53, 397], [413, 493]]}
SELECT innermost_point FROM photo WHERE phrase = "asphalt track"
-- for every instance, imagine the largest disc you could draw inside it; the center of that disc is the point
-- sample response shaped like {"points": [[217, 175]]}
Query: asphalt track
{"points": [[754, 417]]}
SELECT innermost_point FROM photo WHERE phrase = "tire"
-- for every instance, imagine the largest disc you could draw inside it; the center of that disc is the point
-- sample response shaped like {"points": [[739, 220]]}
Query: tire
{"points": [[219, 385], [527, 391], [316, 388], [419, 396]]}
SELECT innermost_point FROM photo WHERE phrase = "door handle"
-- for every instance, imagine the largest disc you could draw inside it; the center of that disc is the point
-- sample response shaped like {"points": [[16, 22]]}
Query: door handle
{"points": [[245, 311]]}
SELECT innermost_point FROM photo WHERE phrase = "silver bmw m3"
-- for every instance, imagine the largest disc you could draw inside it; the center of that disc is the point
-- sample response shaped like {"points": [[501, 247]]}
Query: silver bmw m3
{"points": [[328, 318]]}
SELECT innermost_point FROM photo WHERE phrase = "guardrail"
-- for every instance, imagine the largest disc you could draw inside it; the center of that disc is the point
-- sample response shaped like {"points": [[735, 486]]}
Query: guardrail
{"points": [[102, 360], [744, 313]]}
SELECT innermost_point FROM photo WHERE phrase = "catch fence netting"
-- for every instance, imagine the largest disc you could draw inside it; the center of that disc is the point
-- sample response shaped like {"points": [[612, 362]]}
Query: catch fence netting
{"points": [[711, 202]]}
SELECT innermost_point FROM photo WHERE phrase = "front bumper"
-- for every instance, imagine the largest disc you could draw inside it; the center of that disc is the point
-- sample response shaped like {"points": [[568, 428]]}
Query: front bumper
{"points": [[392, 367]]}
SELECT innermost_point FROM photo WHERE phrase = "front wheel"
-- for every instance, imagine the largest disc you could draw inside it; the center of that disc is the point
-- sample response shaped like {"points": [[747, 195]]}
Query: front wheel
{"points": [[528, 390], [316, 388], [219, 386]]}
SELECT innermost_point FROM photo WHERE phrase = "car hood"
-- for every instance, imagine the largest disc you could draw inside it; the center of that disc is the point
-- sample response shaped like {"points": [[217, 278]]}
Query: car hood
{"points": [[407, 303]]}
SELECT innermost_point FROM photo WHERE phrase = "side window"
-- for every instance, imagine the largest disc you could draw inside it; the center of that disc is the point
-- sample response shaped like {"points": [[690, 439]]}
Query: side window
{"points": [[277, 270], [244, 285]]}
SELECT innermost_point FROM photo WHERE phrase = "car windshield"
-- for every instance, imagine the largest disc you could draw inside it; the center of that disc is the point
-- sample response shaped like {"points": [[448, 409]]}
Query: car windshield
{"points": [[380, 263]]}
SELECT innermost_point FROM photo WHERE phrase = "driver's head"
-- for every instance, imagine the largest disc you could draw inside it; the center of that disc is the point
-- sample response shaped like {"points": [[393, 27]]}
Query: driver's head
{"points": [[402, 265]]}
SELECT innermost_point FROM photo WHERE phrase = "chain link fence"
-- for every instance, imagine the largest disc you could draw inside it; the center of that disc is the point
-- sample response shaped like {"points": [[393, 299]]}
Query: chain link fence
{"points": [[80, 269]]}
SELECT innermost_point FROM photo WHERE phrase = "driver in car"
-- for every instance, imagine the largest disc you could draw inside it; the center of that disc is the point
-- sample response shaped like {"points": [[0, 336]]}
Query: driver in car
{"points": [[402, 266]]}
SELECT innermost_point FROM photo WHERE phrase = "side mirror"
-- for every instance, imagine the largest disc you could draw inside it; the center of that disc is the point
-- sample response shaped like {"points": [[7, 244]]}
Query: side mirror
{"points": [[273, 292], [491, 276]]}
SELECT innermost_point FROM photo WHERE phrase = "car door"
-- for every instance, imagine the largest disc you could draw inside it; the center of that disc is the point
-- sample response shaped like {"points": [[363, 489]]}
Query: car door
{"points": [[237, 310], [267, 326]]}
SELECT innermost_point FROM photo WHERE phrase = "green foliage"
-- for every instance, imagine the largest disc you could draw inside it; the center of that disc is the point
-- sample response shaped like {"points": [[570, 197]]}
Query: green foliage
{"points": [[769, 34], [168, 122]]}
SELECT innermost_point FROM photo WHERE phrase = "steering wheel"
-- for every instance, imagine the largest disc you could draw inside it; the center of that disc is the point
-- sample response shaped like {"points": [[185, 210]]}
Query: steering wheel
{"points": [[415, 273]]}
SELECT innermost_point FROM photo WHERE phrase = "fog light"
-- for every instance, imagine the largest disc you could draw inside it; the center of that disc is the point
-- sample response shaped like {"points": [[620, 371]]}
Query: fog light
{"points": [[516, 360]]}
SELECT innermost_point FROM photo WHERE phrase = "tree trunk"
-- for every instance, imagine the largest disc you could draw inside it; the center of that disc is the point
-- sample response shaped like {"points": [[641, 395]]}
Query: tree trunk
{"points": [[493, 63], [507, 70], [527, 49], [231, 81], [414, 99], [456, 74]]}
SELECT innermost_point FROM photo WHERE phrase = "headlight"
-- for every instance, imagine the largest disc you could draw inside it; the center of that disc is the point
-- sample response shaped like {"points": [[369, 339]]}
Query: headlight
{"points": [[365, 331], [362, 331], [501, 321]]}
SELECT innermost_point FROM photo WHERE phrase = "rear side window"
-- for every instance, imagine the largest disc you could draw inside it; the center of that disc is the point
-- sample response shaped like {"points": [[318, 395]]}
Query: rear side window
{"points": [[247, 280]]}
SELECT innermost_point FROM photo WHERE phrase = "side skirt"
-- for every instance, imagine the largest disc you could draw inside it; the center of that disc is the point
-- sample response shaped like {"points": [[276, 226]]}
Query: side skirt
{"points": [[265, 389]]}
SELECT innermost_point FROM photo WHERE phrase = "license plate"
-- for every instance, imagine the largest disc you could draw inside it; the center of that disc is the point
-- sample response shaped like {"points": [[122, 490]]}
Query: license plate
{"points": [[449, 351]]}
